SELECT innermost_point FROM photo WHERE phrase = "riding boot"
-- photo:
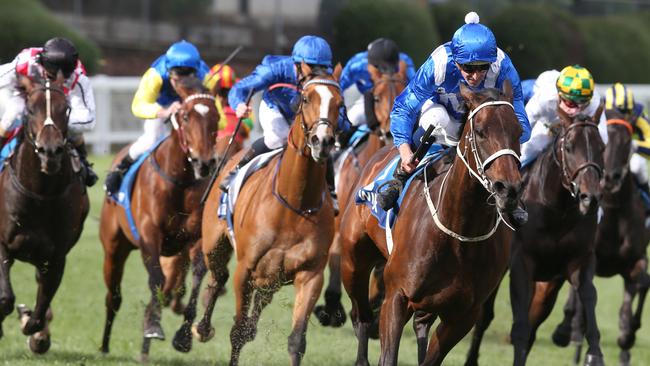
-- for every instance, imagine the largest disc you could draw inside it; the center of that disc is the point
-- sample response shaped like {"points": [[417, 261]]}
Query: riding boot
{"points": [[258, 148], [645, 193], [387, 198], [87, 172], [114, 178], [329, 177]]}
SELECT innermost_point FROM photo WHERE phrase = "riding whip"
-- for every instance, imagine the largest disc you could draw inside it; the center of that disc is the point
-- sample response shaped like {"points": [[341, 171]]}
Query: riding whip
{"points": [[424, 145], [224, 63], [215, 174]]}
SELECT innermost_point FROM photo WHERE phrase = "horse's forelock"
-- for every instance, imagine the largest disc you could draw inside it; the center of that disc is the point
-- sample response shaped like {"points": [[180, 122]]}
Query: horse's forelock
{"points": [[191, 84]]}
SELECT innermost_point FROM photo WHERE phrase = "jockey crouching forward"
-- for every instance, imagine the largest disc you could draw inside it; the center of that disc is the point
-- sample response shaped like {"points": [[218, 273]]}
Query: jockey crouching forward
{"points": [[382, 54], [156, 100], [276, 111], [471, 58], [58, 54], [619, 99]]}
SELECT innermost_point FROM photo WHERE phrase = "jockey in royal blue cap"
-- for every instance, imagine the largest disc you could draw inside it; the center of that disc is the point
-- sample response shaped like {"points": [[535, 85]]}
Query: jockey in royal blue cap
{"points": [[471, 58], [155, 100], [279, 77]]}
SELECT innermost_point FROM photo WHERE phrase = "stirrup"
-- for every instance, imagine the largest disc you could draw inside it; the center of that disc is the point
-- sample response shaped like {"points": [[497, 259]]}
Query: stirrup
{"points": [[225, 182], [387, 198]]}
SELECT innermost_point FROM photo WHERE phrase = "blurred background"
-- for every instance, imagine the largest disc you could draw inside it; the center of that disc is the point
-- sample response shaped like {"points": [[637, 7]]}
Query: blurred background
{"points": [[118, 39]]}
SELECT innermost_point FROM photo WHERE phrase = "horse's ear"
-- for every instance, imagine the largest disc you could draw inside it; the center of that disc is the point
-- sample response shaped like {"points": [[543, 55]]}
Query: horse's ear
{"points": [[599, 111], [403, 67], [304, 69], [26, 84], [375, 74], [467, 94], [338, 69], [507, 90]]}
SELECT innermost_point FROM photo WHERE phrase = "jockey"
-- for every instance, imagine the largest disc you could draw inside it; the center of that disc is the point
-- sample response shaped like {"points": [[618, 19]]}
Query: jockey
{"points": [[471, 58], [620, 99], [572, 90], [58, 54], [383, 54], [276, 111], [220, 81], [155, 101]]}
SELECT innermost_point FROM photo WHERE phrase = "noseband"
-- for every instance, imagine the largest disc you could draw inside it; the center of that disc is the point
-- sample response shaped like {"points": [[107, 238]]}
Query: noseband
{"points": [[179, 127], [568, 180], [48, 88]]}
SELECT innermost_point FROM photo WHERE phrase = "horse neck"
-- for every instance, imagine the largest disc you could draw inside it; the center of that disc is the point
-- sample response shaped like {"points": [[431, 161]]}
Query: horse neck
{"points": [[172, 159], [545, 178], [622, 199], [27, 166], [300, 180]]}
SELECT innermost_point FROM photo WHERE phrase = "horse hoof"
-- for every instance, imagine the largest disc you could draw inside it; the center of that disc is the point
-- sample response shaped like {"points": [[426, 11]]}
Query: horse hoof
{"points": [[143, 358], [321, 314], [338, 316], [39, 344], [154, 331], [624, 358], [594, 360], [561, 337], [200, 333], [182, 341]]}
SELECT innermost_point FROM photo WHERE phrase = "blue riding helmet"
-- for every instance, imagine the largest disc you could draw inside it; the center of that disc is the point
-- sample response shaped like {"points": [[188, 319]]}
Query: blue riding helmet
{"points": [[183, 54], [312, 50], [473, 42]]}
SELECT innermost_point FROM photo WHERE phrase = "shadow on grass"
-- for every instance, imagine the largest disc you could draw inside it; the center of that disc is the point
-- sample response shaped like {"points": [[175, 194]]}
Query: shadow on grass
{"points": [[96, 358]]}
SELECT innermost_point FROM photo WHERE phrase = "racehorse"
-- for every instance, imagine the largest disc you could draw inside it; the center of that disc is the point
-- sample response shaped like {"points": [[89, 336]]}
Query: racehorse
{"points": [[283, 222], [621, 241], [447, 266], [386, 88], [165, 205], [38, 184]]}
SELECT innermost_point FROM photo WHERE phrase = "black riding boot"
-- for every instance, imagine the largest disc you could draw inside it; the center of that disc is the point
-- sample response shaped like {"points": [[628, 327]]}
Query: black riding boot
{"points": [[258, 148], [88, 174], [329, 177], [114, 178], [387, 198]]}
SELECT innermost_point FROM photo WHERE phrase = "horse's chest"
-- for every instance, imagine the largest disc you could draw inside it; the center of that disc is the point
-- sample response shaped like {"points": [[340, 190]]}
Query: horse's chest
{"points": [[33, 247]]}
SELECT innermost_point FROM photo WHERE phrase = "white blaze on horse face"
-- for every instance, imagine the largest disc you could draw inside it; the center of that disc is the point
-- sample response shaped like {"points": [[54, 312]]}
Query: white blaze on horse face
{"points": [[325, 99], [202, 109]]}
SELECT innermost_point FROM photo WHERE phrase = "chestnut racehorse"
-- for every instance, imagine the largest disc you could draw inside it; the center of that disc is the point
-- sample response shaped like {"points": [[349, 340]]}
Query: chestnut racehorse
{"points": [[447, 256], [165, 205], [283, 222], [621, 240], [44, 205], [386, 88]]}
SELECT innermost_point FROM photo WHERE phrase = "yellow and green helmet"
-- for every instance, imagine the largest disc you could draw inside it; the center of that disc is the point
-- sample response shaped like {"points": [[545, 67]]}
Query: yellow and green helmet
{"points": [[575, 83]]}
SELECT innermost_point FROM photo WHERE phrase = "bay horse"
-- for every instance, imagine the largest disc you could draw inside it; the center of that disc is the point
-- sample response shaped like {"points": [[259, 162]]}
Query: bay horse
{"points": [[444, 267], [386, 87], [283, 222], [44, 205], [165, 206], [621, 241]]}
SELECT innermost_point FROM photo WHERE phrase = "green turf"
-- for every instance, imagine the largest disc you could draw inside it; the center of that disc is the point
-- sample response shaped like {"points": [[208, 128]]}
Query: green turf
{"points": [[79, 319]]}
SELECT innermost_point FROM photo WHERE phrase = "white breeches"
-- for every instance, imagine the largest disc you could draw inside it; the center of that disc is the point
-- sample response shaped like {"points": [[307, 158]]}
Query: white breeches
{"points": [[357, 112], [12, 114], [154, 129], [447, 130], [639, 168], [274, 126], [540, 137]]}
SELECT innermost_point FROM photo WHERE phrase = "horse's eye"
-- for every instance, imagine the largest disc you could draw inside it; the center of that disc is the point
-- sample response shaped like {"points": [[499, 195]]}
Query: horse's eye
{"points": [[376, 98], [305, 100], [480, 132], [185, 117]]}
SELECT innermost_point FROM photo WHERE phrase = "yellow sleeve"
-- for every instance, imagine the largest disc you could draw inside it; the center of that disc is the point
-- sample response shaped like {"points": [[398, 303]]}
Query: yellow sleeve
{"points": [[209, 81], [642, 136], [144, 102], [223, 121]]}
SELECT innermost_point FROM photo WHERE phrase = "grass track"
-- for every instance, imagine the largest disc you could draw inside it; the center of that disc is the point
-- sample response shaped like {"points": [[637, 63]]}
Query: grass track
{"points": [[79, 319]]}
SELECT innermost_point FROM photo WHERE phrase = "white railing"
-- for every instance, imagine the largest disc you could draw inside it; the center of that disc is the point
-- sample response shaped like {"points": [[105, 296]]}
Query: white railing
{"points": [[117, 126]]}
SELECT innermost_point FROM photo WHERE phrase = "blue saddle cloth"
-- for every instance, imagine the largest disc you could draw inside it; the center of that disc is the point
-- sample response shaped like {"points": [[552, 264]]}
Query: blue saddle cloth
{"points": [[123, 196], [7, 150], [368, 195], [361, 132]]}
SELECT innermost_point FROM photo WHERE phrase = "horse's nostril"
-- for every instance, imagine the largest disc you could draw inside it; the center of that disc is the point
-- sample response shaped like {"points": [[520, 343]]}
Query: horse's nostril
{"points": [[314, 140], [617, 176], [499, 187]]}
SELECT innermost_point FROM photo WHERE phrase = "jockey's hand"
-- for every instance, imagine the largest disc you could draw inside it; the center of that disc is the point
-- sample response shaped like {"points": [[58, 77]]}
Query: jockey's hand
{"points": [[166, 112], [406, 154], [243, 110]]}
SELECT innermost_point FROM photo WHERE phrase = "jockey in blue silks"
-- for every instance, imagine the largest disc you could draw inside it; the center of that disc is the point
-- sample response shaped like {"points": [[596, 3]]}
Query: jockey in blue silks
{"points": [[383, 54], [471, 58], [279, 77]]}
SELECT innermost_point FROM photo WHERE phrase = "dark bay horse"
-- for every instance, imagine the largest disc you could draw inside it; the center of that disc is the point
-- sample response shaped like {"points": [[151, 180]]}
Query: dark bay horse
{"points": [[447, 256], [165, 205], [283, 223], [386, 88], [44, 205], [621, 241]]}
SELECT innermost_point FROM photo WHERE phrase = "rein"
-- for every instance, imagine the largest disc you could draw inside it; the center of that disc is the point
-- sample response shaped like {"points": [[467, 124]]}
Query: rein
{"points": [[179, 128], [478, 173], [48, 88]]}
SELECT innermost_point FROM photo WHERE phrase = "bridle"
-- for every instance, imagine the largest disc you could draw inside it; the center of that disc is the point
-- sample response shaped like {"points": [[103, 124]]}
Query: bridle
{"points": [[478, 173], [568, 180], [48, 88], [179, 127]]}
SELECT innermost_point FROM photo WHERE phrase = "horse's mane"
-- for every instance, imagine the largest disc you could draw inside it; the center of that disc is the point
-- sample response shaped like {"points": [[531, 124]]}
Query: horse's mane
{"points": [[489, 93]]}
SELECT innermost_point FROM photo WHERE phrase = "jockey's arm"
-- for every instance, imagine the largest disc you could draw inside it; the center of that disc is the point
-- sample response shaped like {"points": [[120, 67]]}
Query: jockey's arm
{"points": [[642, 136], [82, 106], [509, 72], [144, 102], [351, 71], [8, 74], [261, 78]]}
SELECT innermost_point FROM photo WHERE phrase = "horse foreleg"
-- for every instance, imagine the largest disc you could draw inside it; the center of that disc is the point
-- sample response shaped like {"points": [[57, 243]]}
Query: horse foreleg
{"points": [[183, 338], [7, 297], [394, 315], [308, 285], [544, 298], [637, 282], [175, 270], [562, 333], [38, 342], [376, 297], [114, 259], [448, 333], [521, 291], [243, 290], [487, 314], [151, 258], [588, 297], [49, 277], [332, 313], [422, 323]]}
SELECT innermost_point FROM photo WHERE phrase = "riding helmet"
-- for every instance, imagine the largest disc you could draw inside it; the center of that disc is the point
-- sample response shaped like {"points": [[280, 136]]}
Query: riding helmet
{"points": [[473, 43], [383, 53], [620, 97], [183, 54], [59, 54], [575, 83], [312, 50]]}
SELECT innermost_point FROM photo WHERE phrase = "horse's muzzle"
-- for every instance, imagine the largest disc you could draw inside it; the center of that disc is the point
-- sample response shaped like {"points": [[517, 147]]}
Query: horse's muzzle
{"points": [[51, 157], [507, 195], [203, 168], [612, 180]]}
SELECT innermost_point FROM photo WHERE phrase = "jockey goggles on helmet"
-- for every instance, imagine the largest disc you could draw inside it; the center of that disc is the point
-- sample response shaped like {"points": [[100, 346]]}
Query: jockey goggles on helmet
{"points": [[474, 67]]}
